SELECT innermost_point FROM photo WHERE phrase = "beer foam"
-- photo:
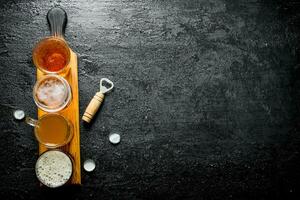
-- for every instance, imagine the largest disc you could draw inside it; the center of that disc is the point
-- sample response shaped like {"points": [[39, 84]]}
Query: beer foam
{"points": [[52, 93], [53, 168]]}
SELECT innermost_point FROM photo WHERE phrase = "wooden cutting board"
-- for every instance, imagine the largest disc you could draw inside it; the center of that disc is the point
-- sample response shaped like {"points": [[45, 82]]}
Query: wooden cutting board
{"points": [[71, 113]]}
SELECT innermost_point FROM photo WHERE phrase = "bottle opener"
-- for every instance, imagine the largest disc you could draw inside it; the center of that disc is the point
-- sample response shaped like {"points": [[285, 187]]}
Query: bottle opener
{"points": [[95, 103]]}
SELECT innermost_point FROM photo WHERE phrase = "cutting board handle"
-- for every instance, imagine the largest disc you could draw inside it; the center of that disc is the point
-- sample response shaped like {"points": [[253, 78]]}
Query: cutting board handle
{"points": [[57, 19]]}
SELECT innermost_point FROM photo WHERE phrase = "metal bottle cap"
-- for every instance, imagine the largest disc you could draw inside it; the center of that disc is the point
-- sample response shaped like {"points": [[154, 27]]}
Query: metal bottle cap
{"points": [[89, 165], [19, 114], [114, 138]]}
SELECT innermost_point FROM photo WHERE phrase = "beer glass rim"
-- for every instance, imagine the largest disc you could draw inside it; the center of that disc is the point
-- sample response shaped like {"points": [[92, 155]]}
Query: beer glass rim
{"points": [[66, 86], [51, 38]]}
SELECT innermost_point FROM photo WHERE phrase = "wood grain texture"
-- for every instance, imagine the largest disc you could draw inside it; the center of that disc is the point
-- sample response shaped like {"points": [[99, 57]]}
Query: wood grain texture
{"points": [[72, 114]]}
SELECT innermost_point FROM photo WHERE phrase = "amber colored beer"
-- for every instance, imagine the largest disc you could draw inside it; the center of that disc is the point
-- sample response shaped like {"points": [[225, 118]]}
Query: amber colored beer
{"points": [[51, 55], [53, 130]]}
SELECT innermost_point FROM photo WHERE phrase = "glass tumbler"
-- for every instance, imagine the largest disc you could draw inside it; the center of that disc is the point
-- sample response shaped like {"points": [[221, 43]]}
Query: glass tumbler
{"points": [[52, 93]]}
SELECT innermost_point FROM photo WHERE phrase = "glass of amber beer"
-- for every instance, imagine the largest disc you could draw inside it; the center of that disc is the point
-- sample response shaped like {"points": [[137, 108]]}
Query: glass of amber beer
{"points": [[51, 55]]}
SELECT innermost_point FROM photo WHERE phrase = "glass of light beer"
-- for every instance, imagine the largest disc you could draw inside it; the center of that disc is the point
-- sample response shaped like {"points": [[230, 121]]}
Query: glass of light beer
{"points": [[52, 130]]}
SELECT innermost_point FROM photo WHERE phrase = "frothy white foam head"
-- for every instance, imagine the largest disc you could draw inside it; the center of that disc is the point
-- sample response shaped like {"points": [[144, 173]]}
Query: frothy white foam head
{"points": [[52, 93], [53, 168]]}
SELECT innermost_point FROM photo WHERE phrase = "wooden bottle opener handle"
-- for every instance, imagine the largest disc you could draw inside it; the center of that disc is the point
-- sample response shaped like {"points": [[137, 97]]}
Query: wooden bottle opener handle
{"points": [[93, 107]]}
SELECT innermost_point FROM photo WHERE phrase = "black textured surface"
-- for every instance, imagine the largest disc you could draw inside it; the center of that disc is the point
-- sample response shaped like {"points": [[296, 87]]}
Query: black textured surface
{"points": [[206, 98]]}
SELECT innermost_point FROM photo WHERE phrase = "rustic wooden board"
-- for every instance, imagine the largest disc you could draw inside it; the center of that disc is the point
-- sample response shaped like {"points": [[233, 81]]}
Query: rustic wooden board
{"points": [[71, 113]]}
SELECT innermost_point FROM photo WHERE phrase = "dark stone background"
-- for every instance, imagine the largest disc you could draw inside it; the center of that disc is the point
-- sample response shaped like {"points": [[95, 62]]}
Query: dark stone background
{"points": [[206, 98]]}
